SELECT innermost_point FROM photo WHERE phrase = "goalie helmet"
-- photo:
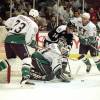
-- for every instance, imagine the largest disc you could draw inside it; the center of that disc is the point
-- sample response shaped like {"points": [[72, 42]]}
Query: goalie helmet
{"points": [[34, 13]]}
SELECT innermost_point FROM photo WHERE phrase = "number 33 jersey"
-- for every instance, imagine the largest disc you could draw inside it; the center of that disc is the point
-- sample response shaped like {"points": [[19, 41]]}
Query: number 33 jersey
{"points": [[22, 25]]}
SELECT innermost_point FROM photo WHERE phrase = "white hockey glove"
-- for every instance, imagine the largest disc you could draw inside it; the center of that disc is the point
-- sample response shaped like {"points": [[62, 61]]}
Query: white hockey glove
{"points": [[64, 51]]}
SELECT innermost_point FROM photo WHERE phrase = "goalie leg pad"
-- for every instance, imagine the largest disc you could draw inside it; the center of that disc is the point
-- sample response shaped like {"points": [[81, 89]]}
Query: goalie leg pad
{"points": [[62, 76], [26, 65], [37, 76], [43, 69]]}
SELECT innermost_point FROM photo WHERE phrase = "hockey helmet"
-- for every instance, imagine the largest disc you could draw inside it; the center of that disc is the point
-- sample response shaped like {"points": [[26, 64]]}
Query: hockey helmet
{"points": [[34, 13], [86, 15]]}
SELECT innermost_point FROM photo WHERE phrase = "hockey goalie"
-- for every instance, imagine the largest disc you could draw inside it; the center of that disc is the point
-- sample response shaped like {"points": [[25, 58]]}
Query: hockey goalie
{"points": [[49, 63]]}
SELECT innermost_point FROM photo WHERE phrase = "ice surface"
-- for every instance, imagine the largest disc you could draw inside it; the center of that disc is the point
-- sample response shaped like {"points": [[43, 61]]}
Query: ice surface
{"points": [[83, 87], [77, 89]]}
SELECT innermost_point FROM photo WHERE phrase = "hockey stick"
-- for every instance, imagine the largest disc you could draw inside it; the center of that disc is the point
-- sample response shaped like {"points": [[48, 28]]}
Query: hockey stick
{"points": [[69, 66], [95, 48]]}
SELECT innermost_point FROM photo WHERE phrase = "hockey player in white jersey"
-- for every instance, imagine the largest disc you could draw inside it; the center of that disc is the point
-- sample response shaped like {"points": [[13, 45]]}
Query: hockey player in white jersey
{"points": [[22, 32], [88, 41]]}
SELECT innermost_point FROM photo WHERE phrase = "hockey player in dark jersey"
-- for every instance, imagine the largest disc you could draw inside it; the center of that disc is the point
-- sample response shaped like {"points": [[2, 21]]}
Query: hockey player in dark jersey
{"points": [[61, 31]]}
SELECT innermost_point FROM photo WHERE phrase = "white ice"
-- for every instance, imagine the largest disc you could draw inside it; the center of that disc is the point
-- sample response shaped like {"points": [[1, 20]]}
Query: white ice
{"points": [[83, 87]]}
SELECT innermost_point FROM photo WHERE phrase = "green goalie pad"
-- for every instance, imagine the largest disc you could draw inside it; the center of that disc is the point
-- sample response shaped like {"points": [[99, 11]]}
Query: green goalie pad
{"points": [[41, 59]]}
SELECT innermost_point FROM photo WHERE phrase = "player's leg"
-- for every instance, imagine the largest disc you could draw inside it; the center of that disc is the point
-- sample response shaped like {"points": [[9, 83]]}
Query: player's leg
{"points": [[94, 54], [22, 52], [97, 62], [9, 55], [83, 50], [60, 70], [62, 76], [42, 67], [65, 64]]}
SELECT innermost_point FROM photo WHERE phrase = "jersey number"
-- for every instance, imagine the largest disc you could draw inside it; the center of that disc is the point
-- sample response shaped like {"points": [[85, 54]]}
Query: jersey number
{"points": [[21, 26], [55, 35]]}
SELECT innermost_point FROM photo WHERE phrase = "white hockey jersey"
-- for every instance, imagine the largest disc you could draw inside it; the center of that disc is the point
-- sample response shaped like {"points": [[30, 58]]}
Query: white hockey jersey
{"points": [[89, 30], [22, 25]]}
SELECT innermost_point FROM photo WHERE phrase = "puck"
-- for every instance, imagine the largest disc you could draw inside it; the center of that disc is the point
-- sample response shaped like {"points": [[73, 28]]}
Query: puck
{"points": [[82, 80]]}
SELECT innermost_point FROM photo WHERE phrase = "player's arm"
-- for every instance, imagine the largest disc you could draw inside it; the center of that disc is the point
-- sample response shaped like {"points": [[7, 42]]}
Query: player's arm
{"points": [[30, 37], [9, 23], [92, 37]]}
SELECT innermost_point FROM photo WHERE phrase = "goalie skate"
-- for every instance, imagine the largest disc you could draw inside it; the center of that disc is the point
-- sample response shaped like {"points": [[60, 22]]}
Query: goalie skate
{"points": [[64, 77]]}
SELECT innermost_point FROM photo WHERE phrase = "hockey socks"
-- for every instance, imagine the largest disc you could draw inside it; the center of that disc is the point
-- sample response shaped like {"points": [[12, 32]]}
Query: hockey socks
{"points": [[98, 64], [25, 74], [25, 71], [88, 64], [3, 65], [86, 61]]}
